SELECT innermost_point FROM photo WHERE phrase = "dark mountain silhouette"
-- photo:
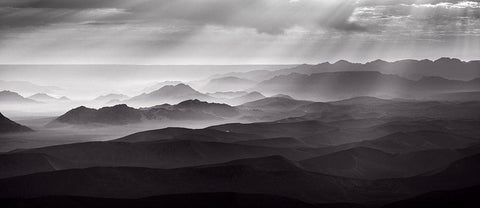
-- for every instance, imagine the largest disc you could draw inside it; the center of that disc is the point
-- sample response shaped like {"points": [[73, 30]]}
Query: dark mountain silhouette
{"points": [[8, 97], [223, 110], [123, 114], [9, 126], [168, 94], [199, 200], [191, 110], [367, 163], [116, 115], [109, 97], [229, 83]]}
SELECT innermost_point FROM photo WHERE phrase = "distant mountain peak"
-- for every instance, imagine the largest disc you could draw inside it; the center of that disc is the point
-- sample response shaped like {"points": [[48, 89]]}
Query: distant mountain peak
{"points": [[7, 96], [168, 94], [177, 87]]}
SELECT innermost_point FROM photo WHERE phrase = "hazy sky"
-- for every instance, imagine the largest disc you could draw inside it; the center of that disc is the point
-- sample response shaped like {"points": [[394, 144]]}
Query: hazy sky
{"points": [[235, 31]]}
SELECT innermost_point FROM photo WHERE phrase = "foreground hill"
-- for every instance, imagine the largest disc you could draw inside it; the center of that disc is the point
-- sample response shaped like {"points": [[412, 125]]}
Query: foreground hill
{"points": [[467, 197], [198, 200], [243, 177], [25, 163], [367, 163], [271, 175], [172, 153], [9, 126]]}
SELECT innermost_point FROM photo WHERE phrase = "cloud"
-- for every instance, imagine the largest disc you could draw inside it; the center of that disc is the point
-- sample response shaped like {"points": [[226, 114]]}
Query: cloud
{"points": [[265, 16], [421, 17]]}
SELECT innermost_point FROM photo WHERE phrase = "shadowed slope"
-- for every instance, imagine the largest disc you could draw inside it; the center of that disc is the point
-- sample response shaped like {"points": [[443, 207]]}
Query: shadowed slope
{"points": [[9, 126]]}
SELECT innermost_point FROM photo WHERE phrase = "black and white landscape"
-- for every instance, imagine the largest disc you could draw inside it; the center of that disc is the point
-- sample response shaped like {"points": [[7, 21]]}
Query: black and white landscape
{"points": [[295, 103]]}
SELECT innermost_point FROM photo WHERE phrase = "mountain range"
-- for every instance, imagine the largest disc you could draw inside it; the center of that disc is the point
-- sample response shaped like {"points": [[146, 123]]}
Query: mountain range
{"points": [[412, 69], [168, 94], [123, 114], [8, 97], [227, 84], [343, 85], [379, 134], [43, 97]]}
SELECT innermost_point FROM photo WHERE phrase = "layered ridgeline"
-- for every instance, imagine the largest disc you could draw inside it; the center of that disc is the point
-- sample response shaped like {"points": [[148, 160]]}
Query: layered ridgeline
{"points": [[348, 84], [413, 69], [168, 94], [354, 152], [123, 114], [11, 98], [9, 126], [273, 108], [267, 175], [43, 97], [411, 79]]}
